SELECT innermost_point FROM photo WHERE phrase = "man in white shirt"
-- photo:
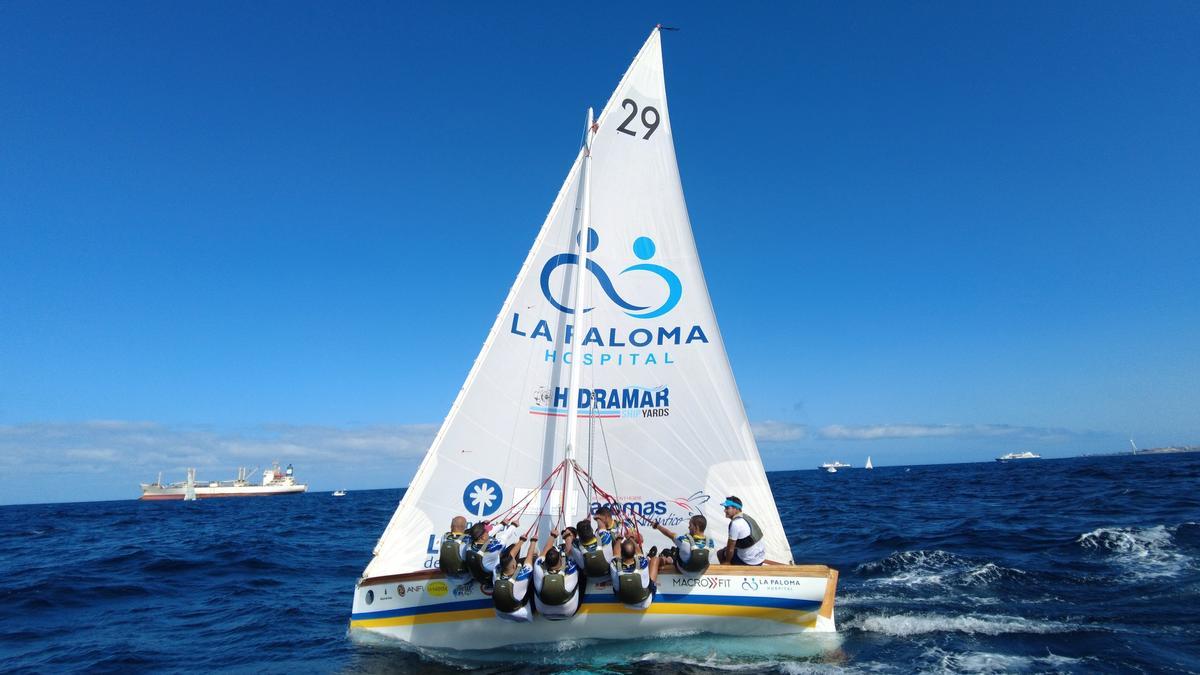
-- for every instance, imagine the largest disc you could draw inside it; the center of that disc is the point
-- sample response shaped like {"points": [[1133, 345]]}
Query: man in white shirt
{"points": [[499, 539], [586, 550], [482, 548], [628, 564], [510, 584], [745, 546], [555, 583]]}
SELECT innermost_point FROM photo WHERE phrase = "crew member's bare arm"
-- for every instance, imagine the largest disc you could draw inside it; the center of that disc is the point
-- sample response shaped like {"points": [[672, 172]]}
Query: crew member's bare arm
{"points": [[550, 543], [727, 555], [529, 557]]}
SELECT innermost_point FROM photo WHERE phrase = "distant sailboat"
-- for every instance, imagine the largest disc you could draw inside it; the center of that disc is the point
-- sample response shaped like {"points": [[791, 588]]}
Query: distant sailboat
{"points": [[869, 465]]}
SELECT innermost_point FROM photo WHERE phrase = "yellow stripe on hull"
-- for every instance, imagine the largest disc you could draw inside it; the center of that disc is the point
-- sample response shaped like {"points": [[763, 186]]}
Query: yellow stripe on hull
{"points": [[421, 619], [802, 619], [805, 619]]}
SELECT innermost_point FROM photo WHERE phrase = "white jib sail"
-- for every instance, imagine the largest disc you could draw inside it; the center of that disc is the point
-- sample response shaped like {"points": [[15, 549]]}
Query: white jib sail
{"points": [[659, 409]]}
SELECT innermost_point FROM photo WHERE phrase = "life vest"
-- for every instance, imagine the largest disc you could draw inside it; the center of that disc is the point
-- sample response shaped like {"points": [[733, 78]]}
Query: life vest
{"points": [[474, 565], [595, 564], [698, 562], [450, 559], [629, 588], [554, 589], [756, 534], [504, 597]]}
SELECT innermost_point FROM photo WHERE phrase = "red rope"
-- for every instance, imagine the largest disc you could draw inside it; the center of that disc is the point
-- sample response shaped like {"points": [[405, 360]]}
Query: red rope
{"points": [[545, 502], [519, 503], [626, 517]]}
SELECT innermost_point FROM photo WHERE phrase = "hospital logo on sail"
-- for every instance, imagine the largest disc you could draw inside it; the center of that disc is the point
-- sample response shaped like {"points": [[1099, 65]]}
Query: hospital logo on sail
{"points": [[641, 345], [644, 249]]}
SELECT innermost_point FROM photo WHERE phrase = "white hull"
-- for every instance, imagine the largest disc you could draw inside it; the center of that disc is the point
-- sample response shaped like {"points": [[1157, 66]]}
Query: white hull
{"points": [[768, 600], [154, 492]]}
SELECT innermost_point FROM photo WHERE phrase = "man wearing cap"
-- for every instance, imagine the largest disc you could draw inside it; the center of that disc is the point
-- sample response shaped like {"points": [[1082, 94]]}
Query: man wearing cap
{"points": [[745, 546]]}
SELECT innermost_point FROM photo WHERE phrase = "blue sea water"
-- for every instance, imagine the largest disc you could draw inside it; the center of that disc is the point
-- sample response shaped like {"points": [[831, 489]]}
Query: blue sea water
{"points": [[1076, 565]]}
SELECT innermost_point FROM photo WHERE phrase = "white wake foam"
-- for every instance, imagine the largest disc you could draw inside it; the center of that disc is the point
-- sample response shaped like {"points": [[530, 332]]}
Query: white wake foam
{"points": [[988, 662], [915, 569], [1142, 552], [902, 625], [851, 599]]}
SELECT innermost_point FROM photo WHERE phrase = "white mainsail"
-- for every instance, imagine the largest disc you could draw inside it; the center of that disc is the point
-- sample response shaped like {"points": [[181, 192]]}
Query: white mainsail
{"points": [[658, 404], [869, 465]]}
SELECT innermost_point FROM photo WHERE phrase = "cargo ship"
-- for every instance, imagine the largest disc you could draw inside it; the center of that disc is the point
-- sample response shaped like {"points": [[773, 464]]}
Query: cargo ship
{"points": [[274, 482]]}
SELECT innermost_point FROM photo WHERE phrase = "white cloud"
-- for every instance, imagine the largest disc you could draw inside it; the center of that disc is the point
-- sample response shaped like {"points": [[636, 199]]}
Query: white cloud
{"points": [[92, 454], [892, 431], [144, 448], [770, 431]]}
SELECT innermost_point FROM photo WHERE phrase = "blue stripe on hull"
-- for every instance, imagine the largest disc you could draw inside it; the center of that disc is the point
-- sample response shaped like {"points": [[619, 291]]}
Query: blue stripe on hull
{"points": [[607, 598], [736, 600]]}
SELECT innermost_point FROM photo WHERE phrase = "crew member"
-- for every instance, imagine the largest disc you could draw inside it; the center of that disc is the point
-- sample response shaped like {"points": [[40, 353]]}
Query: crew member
{"points": [[634, 576], [607, 529], [555, 583], [510, 583], [588, 552], [452, 554], [482, 553], [691, 551], [745, 546]]}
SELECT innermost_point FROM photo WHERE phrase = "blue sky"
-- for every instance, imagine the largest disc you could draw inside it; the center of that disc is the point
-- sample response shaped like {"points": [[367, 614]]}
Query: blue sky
{"points": [[238, 232]]}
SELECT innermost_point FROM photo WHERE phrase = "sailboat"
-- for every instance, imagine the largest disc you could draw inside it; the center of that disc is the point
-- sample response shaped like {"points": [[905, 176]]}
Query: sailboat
{"points": [[603, 381], [868, 464]]}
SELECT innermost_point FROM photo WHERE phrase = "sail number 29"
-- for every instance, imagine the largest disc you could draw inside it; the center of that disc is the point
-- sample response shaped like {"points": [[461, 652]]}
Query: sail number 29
{"points": [[647, 112]]}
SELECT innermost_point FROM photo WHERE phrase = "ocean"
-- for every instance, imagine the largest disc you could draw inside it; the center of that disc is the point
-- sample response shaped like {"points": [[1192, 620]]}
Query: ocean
{"points": [[1080, 565]]}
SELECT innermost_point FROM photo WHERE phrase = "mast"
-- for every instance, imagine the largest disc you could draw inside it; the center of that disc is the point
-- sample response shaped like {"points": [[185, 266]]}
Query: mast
{"points": [[585, 221]]}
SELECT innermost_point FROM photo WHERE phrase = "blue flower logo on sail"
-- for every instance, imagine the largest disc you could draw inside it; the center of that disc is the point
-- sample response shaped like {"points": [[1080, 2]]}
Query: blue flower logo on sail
{"points": [[644, 249], [483, 497]]}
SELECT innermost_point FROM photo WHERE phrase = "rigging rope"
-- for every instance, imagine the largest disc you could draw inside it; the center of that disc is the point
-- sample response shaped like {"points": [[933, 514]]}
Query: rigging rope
{"points": [[521, 503], [628, 519]]}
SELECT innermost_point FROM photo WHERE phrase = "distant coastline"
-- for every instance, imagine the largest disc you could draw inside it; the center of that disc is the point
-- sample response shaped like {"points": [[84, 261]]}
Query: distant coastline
{"points": [[1171, 449], [1163, 451]]}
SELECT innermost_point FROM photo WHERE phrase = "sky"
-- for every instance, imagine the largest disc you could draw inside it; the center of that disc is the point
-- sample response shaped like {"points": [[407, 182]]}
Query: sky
{"points": [[232, 233]]}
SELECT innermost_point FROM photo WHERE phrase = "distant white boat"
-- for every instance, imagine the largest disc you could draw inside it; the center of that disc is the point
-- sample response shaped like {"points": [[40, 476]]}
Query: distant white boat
{"points": [[832, 467], [339, 493], [1017, 455], [869, 465]]}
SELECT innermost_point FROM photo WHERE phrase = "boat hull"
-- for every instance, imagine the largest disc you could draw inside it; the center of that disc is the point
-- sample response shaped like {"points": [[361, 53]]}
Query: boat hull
{"points": [[424, 610]]}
